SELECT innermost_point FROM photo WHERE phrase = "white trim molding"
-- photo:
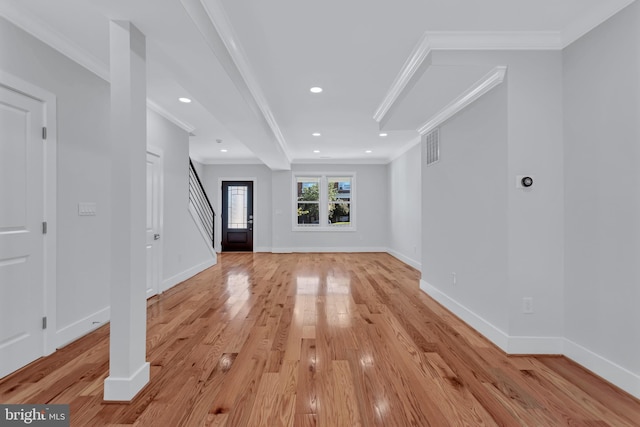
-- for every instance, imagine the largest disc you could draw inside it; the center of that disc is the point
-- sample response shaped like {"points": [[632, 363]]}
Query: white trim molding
{"points": [[336, 249], [409, 261], [408, 71], [43, 32], [495, 40], [605, 368], [167, 115], [509, 344], [82, 327], [124, 389], [488, 330], [323, 202], [212, 22], [523, 345], [475, 92], [186, 274], [257, 220], [227, 161], [360, 161], [220, 21], [50, 191]]}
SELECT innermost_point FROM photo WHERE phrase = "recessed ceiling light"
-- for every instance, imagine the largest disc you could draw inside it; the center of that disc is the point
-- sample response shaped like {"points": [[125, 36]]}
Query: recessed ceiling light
{"points": [[316, 134], [368, 151], [383, 134], [316, 89], [316, 151], [185, 100], [223, 151]]}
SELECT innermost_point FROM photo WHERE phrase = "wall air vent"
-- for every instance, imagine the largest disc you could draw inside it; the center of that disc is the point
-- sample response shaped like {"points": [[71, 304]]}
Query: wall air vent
{"points": [[432, 147]]}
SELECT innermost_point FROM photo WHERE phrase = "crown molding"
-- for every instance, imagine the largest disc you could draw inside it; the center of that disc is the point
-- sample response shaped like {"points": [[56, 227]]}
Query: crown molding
{"points": [[587, 22], [412, 64], [43, 32], [475, 92], [495, 40], [167, 115], [228, 161], [335, 161], [238, 60]]}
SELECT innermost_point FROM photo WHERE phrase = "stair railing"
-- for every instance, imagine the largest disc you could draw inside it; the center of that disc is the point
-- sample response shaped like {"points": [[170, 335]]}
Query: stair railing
{"points": [[201, 204]]}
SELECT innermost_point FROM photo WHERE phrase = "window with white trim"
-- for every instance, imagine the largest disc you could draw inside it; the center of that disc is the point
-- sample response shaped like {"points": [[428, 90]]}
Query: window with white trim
{"points": [[324, 201]]}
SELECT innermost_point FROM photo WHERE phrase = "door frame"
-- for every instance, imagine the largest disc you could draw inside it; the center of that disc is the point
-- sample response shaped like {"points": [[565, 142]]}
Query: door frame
{"points": [[256, 218], [159, 153], [48, 100]]}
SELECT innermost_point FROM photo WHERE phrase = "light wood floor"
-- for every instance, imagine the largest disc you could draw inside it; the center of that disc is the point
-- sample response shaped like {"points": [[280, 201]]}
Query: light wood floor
{"points": [[318, 339]]}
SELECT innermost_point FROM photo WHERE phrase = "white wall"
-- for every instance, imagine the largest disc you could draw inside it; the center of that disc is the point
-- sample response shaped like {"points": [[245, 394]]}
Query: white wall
{"points": [[602, 202], [274, 206], [185, 251], [211, 180], [464, 205], [371, 212], [83, 243], [405, 207], [535, 266], [83, 168]]}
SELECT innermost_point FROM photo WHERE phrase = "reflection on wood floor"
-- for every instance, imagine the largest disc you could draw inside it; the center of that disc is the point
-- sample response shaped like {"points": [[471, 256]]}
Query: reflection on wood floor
{"points": [[318, 339]]}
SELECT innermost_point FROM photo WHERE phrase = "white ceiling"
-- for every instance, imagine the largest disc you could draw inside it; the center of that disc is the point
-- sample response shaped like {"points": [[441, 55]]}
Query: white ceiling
{"points": [[248, 64]]}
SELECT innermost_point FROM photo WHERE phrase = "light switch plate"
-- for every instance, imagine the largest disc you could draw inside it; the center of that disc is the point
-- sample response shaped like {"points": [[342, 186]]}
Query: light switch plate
{"points": [[87, 208]]}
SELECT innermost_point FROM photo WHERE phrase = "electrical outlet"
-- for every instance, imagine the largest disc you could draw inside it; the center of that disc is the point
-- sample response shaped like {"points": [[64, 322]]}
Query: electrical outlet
{"points": [[454, 279], [527, 305]]}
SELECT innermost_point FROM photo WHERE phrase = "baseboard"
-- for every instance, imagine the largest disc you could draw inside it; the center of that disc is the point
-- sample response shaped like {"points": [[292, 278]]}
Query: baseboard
{"points": [[188, 273], [535, 345], [82, 327], [118, 389], [610, 371], [337, 249], [280, 251], [407, 260], [262, 249], [513, 345], [485, 328]]}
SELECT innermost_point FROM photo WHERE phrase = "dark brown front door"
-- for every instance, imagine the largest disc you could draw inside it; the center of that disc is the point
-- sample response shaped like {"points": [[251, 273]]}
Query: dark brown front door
{"points": [[237, 216]]}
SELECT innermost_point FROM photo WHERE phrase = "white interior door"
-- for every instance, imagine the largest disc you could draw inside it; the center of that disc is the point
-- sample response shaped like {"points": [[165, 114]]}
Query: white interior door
{"points": [[21, 235], [154, 253]]}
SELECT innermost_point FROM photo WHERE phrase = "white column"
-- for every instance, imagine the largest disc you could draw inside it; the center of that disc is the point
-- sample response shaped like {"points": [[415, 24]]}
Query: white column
{"points": [[128, 370]]}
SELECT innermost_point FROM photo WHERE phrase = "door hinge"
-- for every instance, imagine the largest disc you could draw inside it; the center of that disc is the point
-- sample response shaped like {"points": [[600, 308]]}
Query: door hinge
{"points": [[44, 133], [44, 322], [44, 227]]}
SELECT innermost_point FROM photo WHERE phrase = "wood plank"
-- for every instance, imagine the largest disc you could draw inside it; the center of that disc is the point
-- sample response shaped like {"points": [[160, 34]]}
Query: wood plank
{"points": [[318, 340]]}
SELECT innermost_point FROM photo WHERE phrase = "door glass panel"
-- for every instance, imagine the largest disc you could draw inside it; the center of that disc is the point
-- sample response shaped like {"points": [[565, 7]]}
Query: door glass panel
{"points": [[237, 196]]}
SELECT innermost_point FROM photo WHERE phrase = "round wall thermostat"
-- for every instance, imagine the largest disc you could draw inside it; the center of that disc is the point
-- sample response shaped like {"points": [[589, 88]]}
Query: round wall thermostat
{"points": [[527, 181]]}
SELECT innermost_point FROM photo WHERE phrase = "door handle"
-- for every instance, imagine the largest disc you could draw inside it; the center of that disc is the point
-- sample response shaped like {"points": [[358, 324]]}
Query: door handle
{"points": [[250, 221], [156, 237]]}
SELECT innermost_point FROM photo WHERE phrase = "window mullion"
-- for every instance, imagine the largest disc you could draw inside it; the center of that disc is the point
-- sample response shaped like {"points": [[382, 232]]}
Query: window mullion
{"points": [[323, 200]]}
